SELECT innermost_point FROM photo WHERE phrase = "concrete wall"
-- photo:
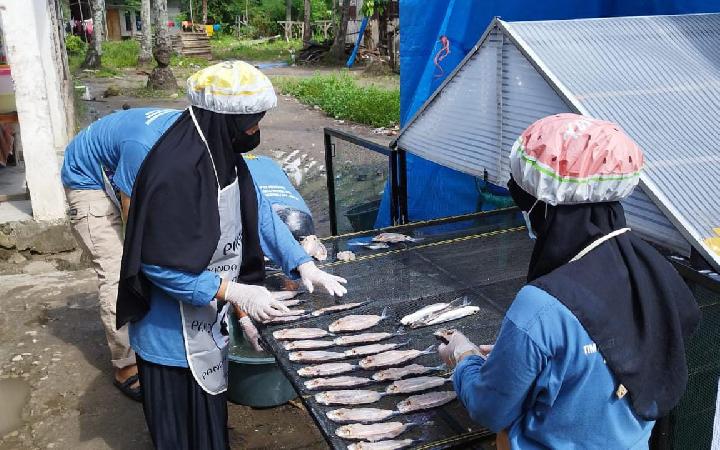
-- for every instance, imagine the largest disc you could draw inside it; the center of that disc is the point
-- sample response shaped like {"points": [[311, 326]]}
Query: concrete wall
{"points": [[40, 79]]}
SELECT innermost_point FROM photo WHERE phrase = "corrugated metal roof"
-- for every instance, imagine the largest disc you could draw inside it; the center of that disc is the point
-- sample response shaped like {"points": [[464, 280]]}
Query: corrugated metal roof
{"points": [[658, 77]]}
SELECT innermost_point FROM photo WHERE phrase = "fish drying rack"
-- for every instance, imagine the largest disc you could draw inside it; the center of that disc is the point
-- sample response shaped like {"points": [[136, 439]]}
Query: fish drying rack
{"points": [[486, 266]]}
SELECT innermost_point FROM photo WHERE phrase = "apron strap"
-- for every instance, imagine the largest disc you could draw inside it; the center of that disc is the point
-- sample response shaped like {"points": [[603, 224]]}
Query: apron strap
{"points": [[202, 136], [598, 242]]}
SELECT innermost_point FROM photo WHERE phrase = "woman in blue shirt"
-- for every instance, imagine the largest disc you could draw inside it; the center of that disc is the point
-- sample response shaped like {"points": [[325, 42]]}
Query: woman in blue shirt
{"points": [[592, 350], [193, 249]]}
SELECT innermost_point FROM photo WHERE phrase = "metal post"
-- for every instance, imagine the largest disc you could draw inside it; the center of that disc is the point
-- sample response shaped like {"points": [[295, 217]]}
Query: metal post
{"points": [[330, 176], [394, 212], [402, 186]]}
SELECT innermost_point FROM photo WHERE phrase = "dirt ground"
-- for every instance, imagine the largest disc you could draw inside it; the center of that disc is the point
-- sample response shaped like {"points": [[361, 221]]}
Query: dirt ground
{"points": [[55, 373]]}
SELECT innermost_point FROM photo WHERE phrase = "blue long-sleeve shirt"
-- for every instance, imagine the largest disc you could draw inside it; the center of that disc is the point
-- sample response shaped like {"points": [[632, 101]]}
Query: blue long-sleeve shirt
{"points": [[158, 337], [546, 383]]}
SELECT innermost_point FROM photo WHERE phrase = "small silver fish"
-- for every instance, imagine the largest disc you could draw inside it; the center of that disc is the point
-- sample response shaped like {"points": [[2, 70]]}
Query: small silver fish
{"points": [[372, 349], [423, 312], [382, 445], [346, 256], [392, 358], [396, 373], [327, 369], [372, 432], [363, 415], [451, 315], [307, 345], [314, 356], [335, 308], [289, 334], [393, 238], [357, 322], [348, 397], [363, 338], [282, 319], [425, 401], [411, 385], [335, 382]]}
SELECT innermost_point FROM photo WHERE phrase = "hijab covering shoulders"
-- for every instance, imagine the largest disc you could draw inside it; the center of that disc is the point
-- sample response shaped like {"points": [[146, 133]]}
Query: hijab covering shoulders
{"points": [[173, 220], [628, 297]]}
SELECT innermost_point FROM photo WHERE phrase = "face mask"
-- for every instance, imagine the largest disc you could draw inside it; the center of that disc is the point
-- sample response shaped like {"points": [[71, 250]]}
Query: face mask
{"points": [[246, 142], [528, 223]]}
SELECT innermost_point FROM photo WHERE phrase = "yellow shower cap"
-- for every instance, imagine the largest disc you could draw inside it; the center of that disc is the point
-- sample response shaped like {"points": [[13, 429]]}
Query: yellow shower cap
{"points": [[231, 87]]}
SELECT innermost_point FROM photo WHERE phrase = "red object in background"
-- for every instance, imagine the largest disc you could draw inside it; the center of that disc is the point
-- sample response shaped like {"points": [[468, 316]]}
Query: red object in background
{"points": [[171, 24]]}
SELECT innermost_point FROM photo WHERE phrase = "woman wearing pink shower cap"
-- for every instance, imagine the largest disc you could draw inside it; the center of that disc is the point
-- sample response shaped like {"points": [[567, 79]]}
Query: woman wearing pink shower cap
{"points": [[592, 350]]}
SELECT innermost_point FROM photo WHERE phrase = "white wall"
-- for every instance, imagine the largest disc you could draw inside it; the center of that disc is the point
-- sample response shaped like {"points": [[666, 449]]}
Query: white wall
{"points": [[36, 69]]}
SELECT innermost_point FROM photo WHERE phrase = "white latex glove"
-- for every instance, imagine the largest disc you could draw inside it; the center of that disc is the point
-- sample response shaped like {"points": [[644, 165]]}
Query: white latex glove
{"points": [[312, 276], [256, 301], [458, 347], [251, 333]]}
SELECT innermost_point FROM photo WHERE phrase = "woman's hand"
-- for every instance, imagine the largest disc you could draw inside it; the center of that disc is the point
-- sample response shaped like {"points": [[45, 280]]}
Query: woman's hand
{"points": [[459, 347], [256, 301], [312, 276]]}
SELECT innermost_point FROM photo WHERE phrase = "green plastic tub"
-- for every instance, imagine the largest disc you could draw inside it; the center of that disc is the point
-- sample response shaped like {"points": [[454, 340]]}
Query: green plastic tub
{"points": [[254, 378]]}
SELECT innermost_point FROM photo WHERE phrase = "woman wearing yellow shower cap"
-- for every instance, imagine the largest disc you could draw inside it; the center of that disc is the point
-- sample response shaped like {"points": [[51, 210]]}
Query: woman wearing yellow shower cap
{"points": [[196, 234]]}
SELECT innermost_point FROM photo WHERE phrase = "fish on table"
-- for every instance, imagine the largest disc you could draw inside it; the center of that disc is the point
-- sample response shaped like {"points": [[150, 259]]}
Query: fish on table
{"points": [[425, 401], [372, 349], [394, 238], [417, 384], [308, 344], [289, 334], [393, 444], [327, 369], [372, 432], [314, 356], [363, 338], [357, 322], [360, 415], [336, 382], [393, 358], [335, 308], [397, 373], [348, 397]]}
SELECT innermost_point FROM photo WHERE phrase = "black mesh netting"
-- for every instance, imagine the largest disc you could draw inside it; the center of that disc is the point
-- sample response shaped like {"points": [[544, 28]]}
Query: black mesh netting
{"points": [[692, 420], [488, 269]]}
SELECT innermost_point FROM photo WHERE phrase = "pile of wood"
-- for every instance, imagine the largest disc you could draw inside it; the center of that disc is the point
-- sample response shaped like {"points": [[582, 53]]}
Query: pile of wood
{"points": [[196, 44]]}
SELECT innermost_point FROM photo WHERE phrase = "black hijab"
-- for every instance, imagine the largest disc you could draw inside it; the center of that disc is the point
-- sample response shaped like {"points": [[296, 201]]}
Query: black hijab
{"points": [[173, 220], [628, 297]]}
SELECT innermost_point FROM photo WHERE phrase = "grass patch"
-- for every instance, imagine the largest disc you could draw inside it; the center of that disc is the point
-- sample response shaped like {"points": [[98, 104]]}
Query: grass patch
{"points": [[189, 61], [342, 97], [228, 47], [120, 54]]}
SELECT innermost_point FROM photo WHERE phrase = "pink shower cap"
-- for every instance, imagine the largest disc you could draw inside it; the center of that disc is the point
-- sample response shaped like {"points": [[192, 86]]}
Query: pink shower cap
{"points": [[568, 159]]}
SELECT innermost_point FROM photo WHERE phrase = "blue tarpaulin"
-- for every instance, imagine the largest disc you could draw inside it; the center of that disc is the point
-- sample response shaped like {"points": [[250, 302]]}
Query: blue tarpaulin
{"points": [[436, 191]]}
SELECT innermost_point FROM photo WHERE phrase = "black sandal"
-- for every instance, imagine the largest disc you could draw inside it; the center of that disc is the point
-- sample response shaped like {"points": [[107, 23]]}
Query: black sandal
{"points": [[134, 393]]}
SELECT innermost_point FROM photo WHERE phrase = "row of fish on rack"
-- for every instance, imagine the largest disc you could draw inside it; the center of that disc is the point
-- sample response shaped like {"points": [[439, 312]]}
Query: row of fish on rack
{"points": [[391, 363]]}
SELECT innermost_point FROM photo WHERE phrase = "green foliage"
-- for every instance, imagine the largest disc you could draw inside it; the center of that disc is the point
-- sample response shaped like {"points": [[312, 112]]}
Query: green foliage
{"points": [[75, 45], [342, 97], [370, 7], [263, 14], [120, 54], [227, 47]]}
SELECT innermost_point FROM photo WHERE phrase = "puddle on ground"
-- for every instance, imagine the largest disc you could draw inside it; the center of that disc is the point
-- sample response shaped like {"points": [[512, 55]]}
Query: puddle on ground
{"points": [[14, 394]]}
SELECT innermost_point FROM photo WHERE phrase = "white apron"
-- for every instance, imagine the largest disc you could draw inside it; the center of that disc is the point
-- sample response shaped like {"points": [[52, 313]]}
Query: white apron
{"points": [[205, 328]]}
